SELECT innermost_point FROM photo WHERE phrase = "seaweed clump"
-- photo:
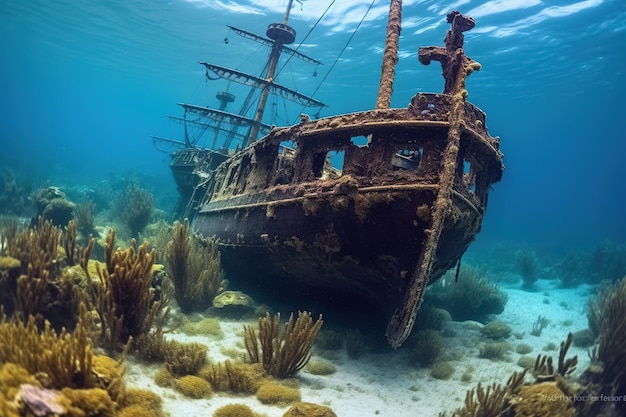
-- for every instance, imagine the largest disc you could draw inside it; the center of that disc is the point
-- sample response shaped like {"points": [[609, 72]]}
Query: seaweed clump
{"points": [[282, 353], [607, 371], [195, 268], [528, 266], [135, 207], [470, 297]]}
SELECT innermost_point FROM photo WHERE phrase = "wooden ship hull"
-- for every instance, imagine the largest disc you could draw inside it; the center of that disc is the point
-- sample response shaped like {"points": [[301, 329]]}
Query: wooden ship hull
{"points": [[381, 229], [361, 209]]}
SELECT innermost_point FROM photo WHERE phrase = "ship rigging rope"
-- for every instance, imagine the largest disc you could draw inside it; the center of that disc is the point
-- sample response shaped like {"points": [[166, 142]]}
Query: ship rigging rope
{"points": [[344, 48], [306, 36]]}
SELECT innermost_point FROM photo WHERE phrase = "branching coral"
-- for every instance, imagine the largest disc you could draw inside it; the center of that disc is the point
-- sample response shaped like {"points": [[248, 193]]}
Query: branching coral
{"points": [[195, 268], [135, 207], [613, 340], [544, 368], [184, 358], [124, 297], [60, 359], [85, 217], [609, 260], [41, 290], [493, 401], [37, 247], [282, 353]]}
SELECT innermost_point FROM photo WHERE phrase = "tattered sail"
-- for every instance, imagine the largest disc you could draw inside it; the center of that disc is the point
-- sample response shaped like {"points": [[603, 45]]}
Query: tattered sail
{"points": [[258, 82]]}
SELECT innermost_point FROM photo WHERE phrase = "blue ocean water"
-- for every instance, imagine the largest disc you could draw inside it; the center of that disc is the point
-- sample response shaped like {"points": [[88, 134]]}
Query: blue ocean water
{"points": [[85, 83]]}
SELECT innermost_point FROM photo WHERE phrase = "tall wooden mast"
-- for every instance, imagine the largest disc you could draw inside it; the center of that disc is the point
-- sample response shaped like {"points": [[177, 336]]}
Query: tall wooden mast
{"points": [[281, 34], [390, 55]]}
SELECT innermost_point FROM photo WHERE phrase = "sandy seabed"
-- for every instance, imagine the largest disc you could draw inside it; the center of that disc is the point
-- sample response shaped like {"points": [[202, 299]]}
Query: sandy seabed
{"points": [[389, 383]]}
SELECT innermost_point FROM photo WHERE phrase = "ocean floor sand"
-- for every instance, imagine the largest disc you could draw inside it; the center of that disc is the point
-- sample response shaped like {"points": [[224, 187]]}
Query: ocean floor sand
{"points": [[389, 383]]}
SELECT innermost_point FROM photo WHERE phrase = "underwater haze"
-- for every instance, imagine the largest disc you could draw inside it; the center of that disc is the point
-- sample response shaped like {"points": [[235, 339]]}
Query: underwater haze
{"points": [[85, 83]]}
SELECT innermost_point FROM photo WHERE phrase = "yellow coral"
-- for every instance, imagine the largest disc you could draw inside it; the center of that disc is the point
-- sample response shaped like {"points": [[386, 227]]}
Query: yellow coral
{"points": [[88, 402], [109, 374], [274, 393], [309, 410], [234, 410], [194, 387], [542, 400], [233, 377], [64, 360], [143, 398], [137, 410], [321, 368], [184, 358], [282, 353], [164, 378], [11, 377], [8, 263]]}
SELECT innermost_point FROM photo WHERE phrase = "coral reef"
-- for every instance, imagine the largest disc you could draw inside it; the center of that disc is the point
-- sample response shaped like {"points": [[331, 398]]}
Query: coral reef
{"points": [[41, 286], [470, 297], [52, 204], [60, 359], [194, 267], [282, 353]]}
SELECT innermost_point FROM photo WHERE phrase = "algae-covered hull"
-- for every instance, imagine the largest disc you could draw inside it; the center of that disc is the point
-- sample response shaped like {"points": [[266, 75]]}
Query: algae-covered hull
{"points": [[285, 220]]}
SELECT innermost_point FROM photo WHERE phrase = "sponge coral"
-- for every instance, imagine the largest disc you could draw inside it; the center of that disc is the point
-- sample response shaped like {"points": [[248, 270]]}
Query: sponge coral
{"points": [[275, 393], [194, 387], [234, 410]]}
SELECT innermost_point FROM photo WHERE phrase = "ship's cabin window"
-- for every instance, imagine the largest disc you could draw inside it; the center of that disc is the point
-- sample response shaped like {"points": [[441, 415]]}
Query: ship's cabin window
{"points": [[407, 159], [469, 176], [328, 165], [285, 167], [361, 141]]}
